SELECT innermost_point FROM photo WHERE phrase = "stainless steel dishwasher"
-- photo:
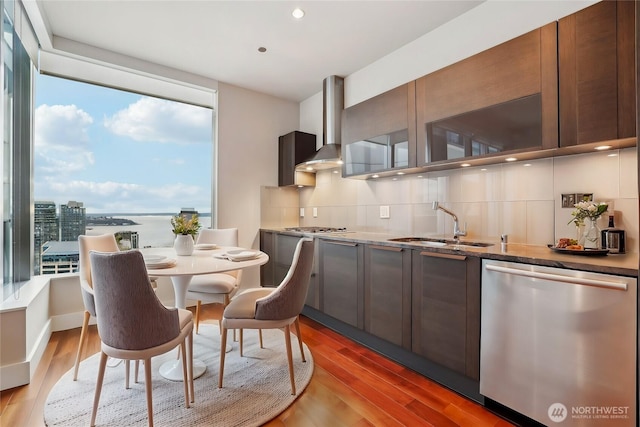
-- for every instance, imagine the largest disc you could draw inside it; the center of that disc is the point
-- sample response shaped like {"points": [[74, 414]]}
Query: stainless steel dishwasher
{"points": [[559, 346]]}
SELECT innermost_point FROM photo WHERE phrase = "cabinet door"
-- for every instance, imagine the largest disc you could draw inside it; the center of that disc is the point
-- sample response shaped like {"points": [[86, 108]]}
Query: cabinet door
{"points": [[285, 246], [379, 133], [500, 100], [267, 245], [341, 281], [294, 148], [387, 293], [597, 73], [446, 310]]}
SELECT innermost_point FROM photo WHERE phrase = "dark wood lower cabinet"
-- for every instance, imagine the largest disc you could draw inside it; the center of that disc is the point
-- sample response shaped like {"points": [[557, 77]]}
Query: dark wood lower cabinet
{"points": [[416, 307], [387, 293], [341, 281], [446, 310]]}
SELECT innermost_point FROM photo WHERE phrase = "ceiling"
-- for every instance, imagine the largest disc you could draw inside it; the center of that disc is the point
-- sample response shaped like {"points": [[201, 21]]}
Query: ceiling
{"points": [[220, 39]]}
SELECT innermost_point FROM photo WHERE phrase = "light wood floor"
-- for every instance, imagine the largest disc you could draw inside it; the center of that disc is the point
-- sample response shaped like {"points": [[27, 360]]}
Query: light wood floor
{"points": [[351, 386]]}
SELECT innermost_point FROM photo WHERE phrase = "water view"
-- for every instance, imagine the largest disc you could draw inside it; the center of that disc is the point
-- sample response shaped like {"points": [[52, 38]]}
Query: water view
{"points": [[153, 230]]}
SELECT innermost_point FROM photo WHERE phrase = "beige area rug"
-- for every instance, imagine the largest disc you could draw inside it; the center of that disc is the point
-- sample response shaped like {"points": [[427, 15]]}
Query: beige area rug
{"points": [[256, 387]]}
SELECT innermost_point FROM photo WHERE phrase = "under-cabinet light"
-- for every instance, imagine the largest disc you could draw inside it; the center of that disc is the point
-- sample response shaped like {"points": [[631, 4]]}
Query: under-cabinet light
{"points": [[602, 147]]}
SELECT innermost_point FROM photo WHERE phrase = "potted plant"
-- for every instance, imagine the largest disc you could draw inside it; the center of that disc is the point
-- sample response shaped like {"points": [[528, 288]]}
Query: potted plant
{"points": [[185, 231]]}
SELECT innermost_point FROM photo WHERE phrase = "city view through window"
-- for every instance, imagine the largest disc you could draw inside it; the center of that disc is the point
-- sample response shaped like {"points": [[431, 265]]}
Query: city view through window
{"points": [[110, 161]]}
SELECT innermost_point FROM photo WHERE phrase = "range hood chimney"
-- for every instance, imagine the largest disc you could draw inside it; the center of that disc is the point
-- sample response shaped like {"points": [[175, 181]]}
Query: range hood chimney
{"points": [[329, 156]]}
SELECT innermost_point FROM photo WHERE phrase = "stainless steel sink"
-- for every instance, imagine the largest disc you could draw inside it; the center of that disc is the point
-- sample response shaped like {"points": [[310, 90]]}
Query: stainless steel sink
{"points": [[429, 241]]}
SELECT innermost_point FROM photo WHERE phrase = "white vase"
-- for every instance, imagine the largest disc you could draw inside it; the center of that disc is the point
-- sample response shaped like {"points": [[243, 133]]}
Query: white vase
{"points": [[183, 244], [592, 234]]}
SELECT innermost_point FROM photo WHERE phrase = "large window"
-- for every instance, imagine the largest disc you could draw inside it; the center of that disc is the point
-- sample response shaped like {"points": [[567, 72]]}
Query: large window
{"points": [[115, 161]]}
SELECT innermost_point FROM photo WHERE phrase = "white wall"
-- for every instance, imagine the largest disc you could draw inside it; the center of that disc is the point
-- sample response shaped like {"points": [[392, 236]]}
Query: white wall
{"points": [[249, 124]]}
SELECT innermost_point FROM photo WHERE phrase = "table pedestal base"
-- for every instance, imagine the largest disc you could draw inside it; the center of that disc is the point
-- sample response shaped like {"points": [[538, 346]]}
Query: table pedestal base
{"points": [[172, 369]]}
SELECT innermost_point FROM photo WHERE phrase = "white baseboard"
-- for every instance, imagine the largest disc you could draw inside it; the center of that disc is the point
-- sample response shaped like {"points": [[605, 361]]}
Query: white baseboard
{"points": [[20, 373]]}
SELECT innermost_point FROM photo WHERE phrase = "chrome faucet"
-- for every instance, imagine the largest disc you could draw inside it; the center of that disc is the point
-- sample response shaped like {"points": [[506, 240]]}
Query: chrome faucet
{"points": [[456, 226]]}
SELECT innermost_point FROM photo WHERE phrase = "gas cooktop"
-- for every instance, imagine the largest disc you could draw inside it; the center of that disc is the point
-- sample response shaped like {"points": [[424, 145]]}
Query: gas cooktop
{"points": [[317, 229]]}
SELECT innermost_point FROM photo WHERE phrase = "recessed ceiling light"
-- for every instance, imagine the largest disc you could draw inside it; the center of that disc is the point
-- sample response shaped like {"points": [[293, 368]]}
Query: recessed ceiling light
{"points": [[510, 159], [297, 13], [602, 147], [262, 49]]}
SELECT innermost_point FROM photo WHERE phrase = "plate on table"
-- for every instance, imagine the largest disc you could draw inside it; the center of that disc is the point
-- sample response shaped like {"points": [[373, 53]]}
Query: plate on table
{"points": [[153, 259], [583, 252], [206, 246], [242, 254], [163, 263]]}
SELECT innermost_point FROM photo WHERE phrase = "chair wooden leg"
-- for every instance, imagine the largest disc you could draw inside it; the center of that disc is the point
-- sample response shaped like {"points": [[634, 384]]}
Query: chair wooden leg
{"points": [[83, 338], [127, 365], [135, 379], [299, 336], [185, 376], [241, 340], [190, 366], [96, 397], [223, 346], [260, 335], [287, 334], [198, 304], [149, 388]]}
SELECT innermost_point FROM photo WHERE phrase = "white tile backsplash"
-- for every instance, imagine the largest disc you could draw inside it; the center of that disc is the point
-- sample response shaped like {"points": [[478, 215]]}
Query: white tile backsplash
{"points": [[511, 198]]}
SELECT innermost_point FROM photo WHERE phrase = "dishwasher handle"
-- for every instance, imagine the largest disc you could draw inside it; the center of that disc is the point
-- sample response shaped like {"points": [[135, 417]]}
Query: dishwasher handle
{"points": [[617, 286]]}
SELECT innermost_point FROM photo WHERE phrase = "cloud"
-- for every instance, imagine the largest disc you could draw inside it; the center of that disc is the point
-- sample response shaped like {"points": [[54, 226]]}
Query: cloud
{"points": [[158, 120], [111, 196], [61, 140]]}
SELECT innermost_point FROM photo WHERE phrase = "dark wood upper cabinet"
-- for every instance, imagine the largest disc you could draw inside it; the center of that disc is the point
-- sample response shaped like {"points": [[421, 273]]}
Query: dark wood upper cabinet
{"points": [[596, 51], [379, 134], [504, 99], [294, 148]]}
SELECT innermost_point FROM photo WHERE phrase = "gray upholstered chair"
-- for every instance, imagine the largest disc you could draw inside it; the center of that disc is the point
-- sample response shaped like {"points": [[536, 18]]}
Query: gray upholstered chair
{"points": [[132, 322], [102, 243], [273, 308], [217, 287]]}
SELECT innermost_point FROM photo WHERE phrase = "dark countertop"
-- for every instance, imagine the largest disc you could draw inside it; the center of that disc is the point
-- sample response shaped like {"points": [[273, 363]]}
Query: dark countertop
{"points": [[618, 264]]}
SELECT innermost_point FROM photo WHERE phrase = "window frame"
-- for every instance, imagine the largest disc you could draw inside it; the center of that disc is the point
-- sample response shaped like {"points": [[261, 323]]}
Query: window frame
{"points": [[18, 246]]}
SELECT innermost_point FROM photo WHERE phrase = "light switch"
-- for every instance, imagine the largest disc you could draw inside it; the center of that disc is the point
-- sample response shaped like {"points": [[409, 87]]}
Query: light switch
{"points": [[315, 212], [301, 212], [384, 211]]}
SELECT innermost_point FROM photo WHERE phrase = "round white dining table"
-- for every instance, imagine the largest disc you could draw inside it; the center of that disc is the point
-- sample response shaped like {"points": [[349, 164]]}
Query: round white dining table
{"points": [[198, 263]]}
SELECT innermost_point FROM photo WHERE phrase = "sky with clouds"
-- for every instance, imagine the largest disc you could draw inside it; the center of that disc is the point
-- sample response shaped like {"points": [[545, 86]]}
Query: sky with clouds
{"points": [[120, 152]]}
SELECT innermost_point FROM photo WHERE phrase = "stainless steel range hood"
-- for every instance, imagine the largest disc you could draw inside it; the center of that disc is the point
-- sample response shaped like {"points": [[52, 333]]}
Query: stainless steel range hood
{"points": [[329, 156]]}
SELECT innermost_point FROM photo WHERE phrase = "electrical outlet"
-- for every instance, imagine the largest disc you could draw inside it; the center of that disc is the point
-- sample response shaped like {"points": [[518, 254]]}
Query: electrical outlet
{"points": [[384, 211], [315, 212], [301, 212]]}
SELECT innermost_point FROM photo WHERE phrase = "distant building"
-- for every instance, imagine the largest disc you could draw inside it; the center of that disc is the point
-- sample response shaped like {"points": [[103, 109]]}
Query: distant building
{"points": [[73, 221], [45, 229], [59, 257], [127, 240]]}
